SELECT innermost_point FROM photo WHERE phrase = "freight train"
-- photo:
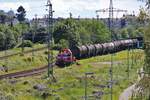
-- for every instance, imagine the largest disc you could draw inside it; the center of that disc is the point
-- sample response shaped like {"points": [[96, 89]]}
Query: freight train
{"points": [[68, 56]]}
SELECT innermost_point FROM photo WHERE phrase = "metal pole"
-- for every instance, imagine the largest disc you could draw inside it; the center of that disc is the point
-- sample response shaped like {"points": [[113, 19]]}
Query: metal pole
{"points": [[50, 38], [85, 86], [132, 56], [22, 47], [33, 35], [110, 28], [5, 43], [86, 83], [128, 69], [49, 65]]}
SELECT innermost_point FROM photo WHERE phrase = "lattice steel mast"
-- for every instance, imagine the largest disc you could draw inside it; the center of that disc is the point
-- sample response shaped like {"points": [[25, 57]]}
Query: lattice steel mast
{"points": [[50, 39], [111, 11], [110, 28]]}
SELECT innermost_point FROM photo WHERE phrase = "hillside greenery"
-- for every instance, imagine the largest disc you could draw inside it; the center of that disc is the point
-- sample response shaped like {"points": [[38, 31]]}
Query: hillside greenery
{"points": [[70, 84], [67, 33], [144, 84], [10, 36]]}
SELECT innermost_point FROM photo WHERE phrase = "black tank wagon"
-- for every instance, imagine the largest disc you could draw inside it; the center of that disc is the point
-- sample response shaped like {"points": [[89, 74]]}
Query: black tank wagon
{"points": [[105, 48]]}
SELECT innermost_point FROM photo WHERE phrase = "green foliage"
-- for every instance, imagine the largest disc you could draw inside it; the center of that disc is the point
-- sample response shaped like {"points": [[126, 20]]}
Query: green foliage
{"points": [[21, 28], [67, 30], [94, 31], [2, 40], [144, 85], [147, 51], [144, 88], [131, 32], [84, 36], [3, 18], [21, 14], [7, 37], [10, 39], [124, 33], [142, 16], [61, 45], [80, 32], [27, 43], [70, 83], [41, 30]]}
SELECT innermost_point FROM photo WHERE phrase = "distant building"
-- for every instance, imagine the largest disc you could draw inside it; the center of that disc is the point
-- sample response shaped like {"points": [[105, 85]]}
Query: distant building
{"points": [[8, 18], [117, 22], [43, 22]]}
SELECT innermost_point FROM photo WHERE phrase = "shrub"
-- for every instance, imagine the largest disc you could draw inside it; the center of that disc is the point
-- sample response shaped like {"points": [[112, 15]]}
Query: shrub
{"points": [[27, 43]]}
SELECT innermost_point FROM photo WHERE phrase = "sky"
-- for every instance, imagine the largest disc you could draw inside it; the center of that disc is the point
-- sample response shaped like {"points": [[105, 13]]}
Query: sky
{"points": [[62, 8]]}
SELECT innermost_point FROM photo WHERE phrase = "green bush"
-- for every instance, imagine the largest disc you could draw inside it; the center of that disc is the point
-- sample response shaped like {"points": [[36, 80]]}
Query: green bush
{"points": [[27, 43], [57, 47], [61, 45]]}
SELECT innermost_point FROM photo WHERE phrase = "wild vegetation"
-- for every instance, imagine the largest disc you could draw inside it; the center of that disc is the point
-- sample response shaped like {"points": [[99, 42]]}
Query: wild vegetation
{"points": [[70, 84], [67, 33], [70, 80], [143, 85]]}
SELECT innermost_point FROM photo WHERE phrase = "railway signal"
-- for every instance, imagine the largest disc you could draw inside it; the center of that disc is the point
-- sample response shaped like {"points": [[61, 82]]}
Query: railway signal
{"points": [[50, 39]]}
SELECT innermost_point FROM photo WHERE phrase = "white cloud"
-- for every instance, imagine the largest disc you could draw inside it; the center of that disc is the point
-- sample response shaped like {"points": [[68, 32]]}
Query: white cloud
{"points": [[14, 5], [84, 8]]}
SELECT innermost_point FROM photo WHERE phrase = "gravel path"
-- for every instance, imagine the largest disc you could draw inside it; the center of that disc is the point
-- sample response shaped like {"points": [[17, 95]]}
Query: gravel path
{"points": [[127, 93]]}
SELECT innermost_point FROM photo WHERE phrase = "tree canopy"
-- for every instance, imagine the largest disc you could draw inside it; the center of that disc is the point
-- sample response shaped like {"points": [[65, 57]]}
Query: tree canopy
{"points": [[78, 32], [21, 14]]}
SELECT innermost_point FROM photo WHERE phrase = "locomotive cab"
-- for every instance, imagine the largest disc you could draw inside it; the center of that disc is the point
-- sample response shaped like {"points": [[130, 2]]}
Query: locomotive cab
{"points": [[65, 57]]}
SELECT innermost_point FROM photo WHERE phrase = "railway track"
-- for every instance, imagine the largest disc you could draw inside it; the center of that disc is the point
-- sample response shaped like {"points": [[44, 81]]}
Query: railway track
{"points": [[26, 52], [25, 73]]}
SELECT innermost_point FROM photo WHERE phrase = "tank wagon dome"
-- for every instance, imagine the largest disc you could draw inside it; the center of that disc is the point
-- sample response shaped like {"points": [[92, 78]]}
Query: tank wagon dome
{"points": [[99, 49], [91, 50], [79, 51], [117, 45]]}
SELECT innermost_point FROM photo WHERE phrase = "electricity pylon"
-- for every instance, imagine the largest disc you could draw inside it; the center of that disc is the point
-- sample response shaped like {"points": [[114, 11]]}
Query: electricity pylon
{"points": [[111, 11]]}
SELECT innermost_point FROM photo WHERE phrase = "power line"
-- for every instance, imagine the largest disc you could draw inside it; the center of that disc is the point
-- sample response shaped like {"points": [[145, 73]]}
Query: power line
{"points": [[111, 11]]}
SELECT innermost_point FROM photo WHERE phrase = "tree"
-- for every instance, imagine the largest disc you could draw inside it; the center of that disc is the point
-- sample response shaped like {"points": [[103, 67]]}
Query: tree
{"points": [[21, 17], [144, 83], [124, 33], [63, 44], [67, 30], [21, 14], [2, 40], [3, 17], [93, 31], [81, 32], [142, 16], [9, 38], [84, 36]]}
